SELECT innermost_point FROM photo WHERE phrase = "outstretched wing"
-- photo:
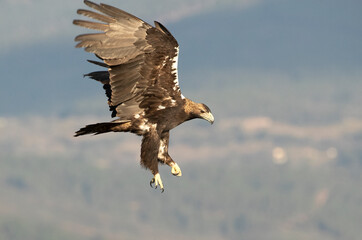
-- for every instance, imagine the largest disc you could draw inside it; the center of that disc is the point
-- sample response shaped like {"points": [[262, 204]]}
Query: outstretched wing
{"points": [[141, 60]]}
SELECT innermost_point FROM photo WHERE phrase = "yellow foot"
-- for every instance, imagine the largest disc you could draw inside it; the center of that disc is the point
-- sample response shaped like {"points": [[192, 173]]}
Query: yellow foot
{"points": [[157, 181], [176, 170]]}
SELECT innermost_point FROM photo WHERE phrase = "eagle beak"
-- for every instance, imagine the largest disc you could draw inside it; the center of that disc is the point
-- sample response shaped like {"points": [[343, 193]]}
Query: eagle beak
{"points": [[208, 117]]}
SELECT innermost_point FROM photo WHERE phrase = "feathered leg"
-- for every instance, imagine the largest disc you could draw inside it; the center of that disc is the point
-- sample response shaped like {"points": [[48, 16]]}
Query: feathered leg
{"points": [[149, 152], [164, 157]]}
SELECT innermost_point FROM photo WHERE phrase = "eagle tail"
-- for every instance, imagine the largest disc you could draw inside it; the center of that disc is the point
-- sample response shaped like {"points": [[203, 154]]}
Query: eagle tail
{"points": [[98, 128]]}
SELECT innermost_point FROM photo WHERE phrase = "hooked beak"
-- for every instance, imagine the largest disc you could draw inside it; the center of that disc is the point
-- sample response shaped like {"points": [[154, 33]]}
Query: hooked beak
{"points": [[208, 117]]}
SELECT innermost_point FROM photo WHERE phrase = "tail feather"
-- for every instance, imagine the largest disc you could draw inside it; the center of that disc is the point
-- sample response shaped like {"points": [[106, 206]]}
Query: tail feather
{"points": [[97, 128]]}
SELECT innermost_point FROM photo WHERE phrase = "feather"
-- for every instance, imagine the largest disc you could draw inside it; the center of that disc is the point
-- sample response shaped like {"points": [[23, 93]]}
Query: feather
{"points": [[98, 63], [95, 16], [91, 25], [90, 37]]}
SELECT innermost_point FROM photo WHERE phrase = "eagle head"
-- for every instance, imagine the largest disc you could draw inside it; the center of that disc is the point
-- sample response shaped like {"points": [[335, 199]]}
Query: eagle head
{"points": [[198, 110], [204, 112]]}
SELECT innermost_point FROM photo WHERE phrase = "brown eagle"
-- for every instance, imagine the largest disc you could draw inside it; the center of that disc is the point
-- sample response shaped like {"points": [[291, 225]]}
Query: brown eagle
{"points": [[141, 82]]}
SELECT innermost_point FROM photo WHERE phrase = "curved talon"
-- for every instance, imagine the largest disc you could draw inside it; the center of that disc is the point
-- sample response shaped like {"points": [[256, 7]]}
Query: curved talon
{"points": [[151, 182], [157, 181]]}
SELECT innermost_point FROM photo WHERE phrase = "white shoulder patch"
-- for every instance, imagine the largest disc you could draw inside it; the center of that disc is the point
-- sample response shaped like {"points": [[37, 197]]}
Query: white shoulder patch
{"points": [[174, 68], [175, 71]]}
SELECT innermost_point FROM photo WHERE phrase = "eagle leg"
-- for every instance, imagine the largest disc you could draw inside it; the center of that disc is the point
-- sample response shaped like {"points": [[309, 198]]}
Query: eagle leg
{"points": [[164, 157], [149, 150], [157, 181]]}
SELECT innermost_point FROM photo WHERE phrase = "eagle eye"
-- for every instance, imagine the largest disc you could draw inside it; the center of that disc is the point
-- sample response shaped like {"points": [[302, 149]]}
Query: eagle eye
{"points": [[202, 111]]}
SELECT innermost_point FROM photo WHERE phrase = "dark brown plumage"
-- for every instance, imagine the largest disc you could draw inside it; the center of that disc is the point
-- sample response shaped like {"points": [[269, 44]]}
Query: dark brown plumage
{"points": [[141, 82]]}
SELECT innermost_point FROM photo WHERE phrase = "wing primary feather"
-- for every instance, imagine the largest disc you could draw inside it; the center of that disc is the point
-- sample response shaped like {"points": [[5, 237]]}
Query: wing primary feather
{"points": [[95, 16], [110, 11], [99, 8], [91, 25], [120, 13], [92, 5], [98, 63], [90, 37]]}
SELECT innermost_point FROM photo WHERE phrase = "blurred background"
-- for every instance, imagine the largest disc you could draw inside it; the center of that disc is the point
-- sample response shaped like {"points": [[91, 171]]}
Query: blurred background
{"points": [[282, 161]]}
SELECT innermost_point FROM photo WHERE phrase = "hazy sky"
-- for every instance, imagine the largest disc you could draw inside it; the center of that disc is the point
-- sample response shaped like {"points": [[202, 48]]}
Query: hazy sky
{"points": [[33, 21]]}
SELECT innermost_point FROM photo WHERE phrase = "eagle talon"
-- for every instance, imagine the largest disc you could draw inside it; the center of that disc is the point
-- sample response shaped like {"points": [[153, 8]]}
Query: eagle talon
{"points": [[152, 182], [157, 181]]}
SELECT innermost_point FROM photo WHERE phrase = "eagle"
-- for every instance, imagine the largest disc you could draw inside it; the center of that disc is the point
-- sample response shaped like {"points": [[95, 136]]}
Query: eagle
{"points": [[140, 81]]}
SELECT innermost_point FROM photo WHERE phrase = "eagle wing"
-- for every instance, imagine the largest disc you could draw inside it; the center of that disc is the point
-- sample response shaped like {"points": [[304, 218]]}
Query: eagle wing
{"points": [[141, 61]]}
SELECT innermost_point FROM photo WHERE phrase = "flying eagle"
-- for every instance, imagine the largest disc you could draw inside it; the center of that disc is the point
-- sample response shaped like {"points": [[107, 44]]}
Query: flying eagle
{"points": [[141, 83]]}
